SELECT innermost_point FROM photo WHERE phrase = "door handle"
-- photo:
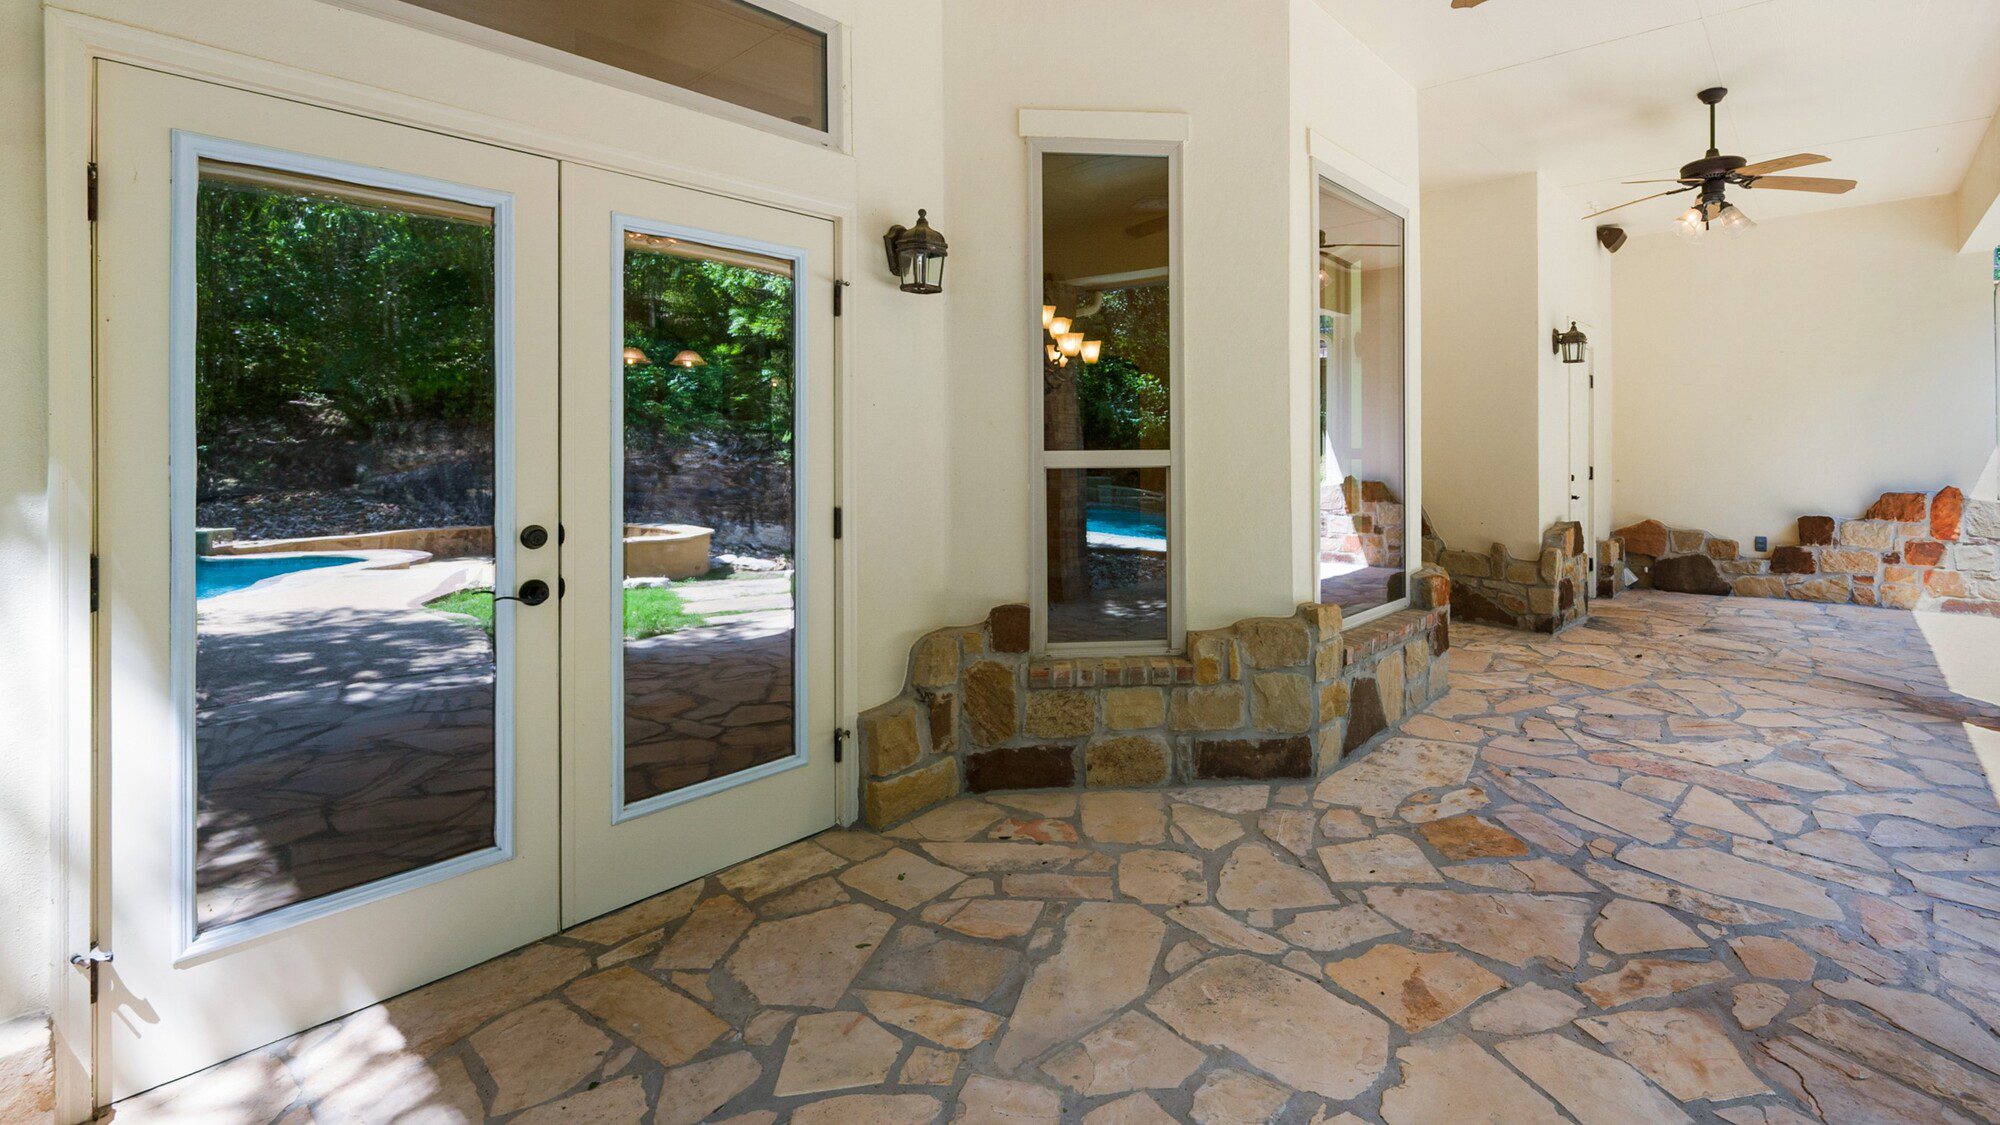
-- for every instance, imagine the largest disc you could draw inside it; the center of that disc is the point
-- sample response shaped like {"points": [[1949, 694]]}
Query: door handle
{"points": [[533, 592], [534, 536]]}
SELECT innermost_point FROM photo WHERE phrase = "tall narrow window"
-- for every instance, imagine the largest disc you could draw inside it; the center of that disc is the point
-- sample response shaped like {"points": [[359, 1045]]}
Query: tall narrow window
{"points": [[1107, 370], [1359, 344]]}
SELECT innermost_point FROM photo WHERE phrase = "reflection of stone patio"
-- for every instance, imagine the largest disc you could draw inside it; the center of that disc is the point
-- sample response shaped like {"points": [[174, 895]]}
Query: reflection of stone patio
{"points": [[1355, 590], [1693, 859], [344, 737], [708, 701]]}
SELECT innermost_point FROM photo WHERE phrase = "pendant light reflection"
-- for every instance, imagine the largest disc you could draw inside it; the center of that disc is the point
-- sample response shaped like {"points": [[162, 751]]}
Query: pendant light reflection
{"points": [[634, 357], [688, 358]]}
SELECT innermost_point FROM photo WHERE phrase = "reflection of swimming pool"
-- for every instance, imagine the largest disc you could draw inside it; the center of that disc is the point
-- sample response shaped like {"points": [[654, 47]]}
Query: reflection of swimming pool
{"points": [[1125, 527], [225, 575]]}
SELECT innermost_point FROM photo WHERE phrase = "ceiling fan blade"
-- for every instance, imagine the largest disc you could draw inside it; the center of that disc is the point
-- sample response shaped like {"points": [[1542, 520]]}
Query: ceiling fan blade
{"points": [[1782, 164], [1622, 206], [1661, 181], [1467, 3], [1147, 226], [1823, 185]]}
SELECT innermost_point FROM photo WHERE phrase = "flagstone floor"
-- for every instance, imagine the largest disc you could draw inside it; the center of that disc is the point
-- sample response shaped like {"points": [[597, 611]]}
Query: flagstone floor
{"points": [[1696, 859]]}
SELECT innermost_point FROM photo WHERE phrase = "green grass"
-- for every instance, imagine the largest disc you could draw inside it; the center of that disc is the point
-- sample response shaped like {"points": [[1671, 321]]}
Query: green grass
{"points": [[650, 611]]}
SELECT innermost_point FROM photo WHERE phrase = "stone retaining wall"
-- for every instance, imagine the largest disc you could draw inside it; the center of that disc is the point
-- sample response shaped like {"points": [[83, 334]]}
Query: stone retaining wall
{"points": [[1264, 698], [1910, 550], [1542, 595]]}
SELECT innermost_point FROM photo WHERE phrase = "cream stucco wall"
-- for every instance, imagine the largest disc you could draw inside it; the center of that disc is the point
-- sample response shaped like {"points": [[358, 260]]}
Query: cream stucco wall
{"points": [[24, 627], [1802, 368], [1573, 282]]}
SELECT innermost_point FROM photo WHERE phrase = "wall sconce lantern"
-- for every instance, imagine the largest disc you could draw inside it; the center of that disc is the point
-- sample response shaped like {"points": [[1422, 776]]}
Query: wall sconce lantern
{"points": [[1569, 345], [916, 255]]}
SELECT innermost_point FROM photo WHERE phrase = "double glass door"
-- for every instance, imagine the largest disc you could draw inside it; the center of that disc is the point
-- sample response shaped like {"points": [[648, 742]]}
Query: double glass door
{"points": [[456, 580]]}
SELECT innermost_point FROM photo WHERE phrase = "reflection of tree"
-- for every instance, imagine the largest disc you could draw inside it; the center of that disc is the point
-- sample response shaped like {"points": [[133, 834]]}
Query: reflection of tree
{"points": [[1124, 396], [739, 321]]}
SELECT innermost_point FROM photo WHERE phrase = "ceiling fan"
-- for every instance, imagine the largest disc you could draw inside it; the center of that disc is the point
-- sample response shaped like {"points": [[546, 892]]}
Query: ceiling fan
{"points": [[1713, 174]]}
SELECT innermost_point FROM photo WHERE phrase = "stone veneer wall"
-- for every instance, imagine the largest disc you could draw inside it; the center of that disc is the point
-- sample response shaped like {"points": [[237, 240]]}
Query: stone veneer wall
{"points": [[1542, 595], [1910, 550], [1265, 698], [1360, 522]]}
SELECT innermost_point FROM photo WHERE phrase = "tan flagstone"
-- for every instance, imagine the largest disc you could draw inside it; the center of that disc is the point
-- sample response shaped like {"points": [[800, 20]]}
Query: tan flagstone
{"points": [[1055, 806], [996, 919], [1514, 928], [691, 1094], [817, 894], [1279, 1022], [614, 1102], [1685, 899], [647, 914], [1902, 1057], [1685, 1051], [1471, 837], [1344, 824], [1132, 1052], [1924, 1016], [1255, 878], [1104, 963], [901, 879], [984, 1100], [1230, 799], [836, 1051], [1052, 885], [854, 844], [1755, 1005], [1612, 807], [929, 1066], [916, 959], [1525, 1010], [659, 1021], [1382, 859], [708, 933], [1450, 1079], [954, 820], [1290, 829], [1389, 774], [1133, 1109], [1494, 876], [1892, 926], [1330, 930], [1928, 808], [1760, 852], [1162, 877], [1426, 807], [1231, 1097], [808, 961], [1629, 926], [941, 1022], [1707, 807], [538, 1052], [1223, 930], [1648, 978], [1731, 876], [765, 1027], [786, 867], [1842, 1089], [1546, 876], [1414, 989], [869, 1109], [1208, 830], [1595, 1089], [1115, 817], [980, 857]]}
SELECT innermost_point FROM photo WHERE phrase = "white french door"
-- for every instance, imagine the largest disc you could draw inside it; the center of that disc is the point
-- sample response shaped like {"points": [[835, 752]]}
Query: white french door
{"points": [[318, 790], [422, 633], [697, 425]]}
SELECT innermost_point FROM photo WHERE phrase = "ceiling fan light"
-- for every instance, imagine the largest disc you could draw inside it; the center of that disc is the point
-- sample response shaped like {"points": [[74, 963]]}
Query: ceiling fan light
{"points": [[1690, 225], [1733, 221], [1058, 326]]}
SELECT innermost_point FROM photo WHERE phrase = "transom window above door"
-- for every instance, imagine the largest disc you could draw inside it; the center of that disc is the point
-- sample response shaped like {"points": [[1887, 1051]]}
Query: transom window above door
{"points": [[770, 64]]}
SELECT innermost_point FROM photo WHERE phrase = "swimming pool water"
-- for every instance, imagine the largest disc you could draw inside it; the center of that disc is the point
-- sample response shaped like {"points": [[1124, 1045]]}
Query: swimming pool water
{"points": [[225, 575], [1128, 523]]}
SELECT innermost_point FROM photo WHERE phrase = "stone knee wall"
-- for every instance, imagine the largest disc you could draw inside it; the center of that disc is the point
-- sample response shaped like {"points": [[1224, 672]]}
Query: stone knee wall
{"points": [[1909, 550], [1265, 698], [1541, 595]]}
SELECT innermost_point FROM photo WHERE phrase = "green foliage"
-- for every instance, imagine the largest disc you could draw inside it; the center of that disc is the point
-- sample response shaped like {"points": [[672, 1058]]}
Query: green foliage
{"points": [[1123, 398], [739, 320], [650, 611]]}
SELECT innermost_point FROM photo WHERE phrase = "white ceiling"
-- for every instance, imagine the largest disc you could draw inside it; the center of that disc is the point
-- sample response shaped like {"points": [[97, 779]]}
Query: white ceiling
{"points": [[1593, 92]]}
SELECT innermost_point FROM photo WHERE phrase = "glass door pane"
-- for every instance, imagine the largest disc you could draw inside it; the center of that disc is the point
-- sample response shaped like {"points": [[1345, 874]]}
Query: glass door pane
{"points": [[706, 611], [342, 541], [1359, 344]]}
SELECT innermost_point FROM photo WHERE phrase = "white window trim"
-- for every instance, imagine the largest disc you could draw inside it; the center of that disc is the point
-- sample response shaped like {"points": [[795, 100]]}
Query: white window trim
{"points": [[500, 42], [1323, 171], [1122, 134], [188, 151], [805, 499]]}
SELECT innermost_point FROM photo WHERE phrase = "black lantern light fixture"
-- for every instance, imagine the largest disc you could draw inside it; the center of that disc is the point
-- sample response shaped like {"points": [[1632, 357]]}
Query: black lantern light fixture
{"points": [[916, 255], [1569, 345]]}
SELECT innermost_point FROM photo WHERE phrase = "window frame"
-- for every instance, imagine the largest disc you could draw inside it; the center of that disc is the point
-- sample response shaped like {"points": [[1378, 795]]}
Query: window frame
{"points": [[1325, 174], [834, 136], [1043, 459]]}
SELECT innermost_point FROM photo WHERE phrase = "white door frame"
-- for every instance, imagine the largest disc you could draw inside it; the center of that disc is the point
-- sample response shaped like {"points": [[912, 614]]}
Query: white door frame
{"points": [[74, 42], [1585, 484]]}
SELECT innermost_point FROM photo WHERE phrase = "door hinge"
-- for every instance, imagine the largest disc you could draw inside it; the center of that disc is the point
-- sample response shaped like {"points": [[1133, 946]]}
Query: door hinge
{"points": [[1593, 380], [88, 962], [93, 583], [836, 523], [840, 737], [90, 192], [838, 303], [1593, 473]]}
